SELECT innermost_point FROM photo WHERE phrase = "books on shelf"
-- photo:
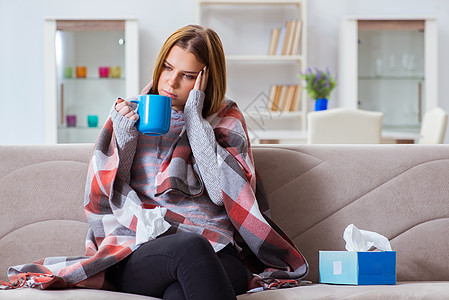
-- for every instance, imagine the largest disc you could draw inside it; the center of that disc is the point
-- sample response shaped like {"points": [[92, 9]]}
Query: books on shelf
{"points": [[274, 39], [296, 37], [284, 97], [286, 39]]}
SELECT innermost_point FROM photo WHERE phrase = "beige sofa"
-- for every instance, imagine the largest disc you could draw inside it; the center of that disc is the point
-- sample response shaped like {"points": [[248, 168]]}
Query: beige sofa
{"points": [[315, 191]]}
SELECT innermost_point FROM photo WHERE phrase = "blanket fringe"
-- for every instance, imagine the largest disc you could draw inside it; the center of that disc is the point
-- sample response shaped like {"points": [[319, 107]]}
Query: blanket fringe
{"points": [[21, 280]]}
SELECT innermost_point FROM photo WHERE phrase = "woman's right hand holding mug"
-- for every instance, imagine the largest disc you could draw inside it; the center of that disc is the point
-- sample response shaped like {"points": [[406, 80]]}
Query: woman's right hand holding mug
{"points": [[125, 109]]}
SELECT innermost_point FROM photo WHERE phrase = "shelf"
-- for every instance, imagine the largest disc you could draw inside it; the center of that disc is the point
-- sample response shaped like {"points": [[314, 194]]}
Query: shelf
{"points": [[92, 78], [392, 77], [78, 134], [376, 68], [276, 135], [277, 114], [248, 59], [80, 42], [78, 128], [403, 128], [250, 2], [265, 58]]}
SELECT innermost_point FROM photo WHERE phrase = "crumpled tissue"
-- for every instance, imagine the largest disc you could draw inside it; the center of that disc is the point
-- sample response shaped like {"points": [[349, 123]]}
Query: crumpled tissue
{"points": [[362, 240], [150, 223]]}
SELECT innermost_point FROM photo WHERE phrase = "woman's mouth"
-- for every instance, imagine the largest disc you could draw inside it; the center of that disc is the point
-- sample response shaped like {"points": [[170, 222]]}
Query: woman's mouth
{"points": [[168, 94]]}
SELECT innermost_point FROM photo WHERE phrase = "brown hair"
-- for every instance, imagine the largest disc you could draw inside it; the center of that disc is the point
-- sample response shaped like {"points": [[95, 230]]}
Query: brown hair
{"points": [[205, 44]]}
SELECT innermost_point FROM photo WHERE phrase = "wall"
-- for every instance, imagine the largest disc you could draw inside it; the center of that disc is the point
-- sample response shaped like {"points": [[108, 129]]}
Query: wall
{"points": [[21, 53]]}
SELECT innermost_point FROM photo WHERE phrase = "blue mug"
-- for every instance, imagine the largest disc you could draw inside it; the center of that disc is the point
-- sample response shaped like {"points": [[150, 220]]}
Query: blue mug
{"points": [[154, 114]]}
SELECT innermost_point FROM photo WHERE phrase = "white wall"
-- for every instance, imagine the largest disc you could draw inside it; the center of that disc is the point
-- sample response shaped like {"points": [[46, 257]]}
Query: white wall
{"points": [[21, 52]]}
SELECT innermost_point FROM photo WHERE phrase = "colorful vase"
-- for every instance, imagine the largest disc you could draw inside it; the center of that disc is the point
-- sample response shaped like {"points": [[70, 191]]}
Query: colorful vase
{"points": [[321, 104]]}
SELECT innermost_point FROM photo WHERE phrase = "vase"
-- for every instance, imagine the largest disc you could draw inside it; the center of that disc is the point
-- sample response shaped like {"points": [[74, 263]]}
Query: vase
{"points": [[103, 72], [71, 120], [92, 120], [320, 104], [81, 71]]}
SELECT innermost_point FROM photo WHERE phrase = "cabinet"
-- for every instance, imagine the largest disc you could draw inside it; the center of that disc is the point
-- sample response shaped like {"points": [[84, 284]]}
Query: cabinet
{"points": [[390, 65], [245, 28], [88, 64]]}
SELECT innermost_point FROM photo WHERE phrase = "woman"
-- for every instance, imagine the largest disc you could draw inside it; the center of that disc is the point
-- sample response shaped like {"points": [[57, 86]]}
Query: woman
{"points": [[171, 216], [181, 73]]}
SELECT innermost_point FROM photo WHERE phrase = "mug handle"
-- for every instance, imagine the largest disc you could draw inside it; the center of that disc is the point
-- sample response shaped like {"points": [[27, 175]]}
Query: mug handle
{"points": [[135, 101]]}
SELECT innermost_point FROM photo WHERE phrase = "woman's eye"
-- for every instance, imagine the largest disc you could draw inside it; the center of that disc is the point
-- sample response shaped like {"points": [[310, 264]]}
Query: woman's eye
{"points": [[167, 67], [190, 77]]}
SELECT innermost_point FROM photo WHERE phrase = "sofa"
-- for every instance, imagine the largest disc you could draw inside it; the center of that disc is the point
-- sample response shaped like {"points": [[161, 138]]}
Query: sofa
{"points": [[314, 191]]}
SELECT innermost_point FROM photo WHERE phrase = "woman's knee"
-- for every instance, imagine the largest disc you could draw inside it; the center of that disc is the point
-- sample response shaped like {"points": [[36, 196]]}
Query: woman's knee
{"points": [[175, 246], [191, 243]]}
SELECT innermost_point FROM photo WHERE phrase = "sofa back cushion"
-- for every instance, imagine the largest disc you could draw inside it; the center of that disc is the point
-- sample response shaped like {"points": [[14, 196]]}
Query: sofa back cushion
{"points": [[41, 198], [399, 191]]}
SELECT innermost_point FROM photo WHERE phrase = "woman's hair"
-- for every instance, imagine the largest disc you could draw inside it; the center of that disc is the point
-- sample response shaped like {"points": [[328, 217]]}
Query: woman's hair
{"points": [[205, 44]]}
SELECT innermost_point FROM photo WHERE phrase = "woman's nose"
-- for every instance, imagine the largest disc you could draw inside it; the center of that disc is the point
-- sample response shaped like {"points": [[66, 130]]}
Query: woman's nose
{"points": [[173, 81]]}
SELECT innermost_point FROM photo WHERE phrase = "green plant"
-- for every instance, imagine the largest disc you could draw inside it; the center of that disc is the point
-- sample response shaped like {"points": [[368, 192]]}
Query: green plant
{"points": [[319, 84]]}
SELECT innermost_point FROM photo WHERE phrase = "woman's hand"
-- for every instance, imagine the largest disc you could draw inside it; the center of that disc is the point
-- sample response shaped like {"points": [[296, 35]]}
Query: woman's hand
{"points": [[124, 108], [201, 80]]}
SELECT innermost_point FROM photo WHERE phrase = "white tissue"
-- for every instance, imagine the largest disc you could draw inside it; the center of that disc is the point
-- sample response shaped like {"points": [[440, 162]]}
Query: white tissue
{"points": [[362, 240], [150, 223]]}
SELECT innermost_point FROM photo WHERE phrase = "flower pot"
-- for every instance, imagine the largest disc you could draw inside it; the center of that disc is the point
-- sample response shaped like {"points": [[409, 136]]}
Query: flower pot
{"points": [[321, 104]]}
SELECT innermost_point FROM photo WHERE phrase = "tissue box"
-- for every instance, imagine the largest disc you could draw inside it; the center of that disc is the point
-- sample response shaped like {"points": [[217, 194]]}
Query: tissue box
{"points": [[358, 268]]}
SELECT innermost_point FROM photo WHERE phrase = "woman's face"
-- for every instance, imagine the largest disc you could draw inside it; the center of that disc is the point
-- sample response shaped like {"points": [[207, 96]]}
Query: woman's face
{"points": [[178, 76]]}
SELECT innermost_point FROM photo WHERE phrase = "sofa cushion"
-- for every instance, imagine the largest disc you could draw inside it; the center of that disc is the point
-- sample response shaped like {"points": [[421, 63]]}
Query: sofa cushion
{"points": [[399, 191], [75, 294], [41, 196], [403, 290]]}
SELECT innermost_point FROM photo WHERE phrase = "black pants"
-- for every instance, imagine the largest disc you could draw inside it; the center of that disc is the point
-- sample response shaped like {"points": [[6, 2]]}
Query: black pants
{"points": [[181, 266]]}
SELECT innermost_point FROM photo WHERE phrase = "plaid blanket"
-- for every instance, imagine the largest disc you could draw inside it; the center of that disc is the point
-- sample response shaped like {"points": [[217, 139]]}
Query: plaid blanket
{"points": [[111, 205]]}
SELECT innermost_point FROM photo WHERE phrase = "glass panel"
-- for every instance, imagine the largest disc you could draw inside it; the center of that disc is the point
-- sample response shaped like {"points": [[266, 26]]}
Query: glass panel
{"points": [[391, 76], [90, 68]]}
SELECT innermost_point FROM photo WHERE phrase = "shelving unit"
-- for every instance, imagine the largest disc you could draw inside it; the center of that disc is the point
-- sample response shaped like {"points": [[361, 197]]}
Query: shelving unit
{"points": [[91, 43], [390, 65], [245, 30], [83, 97]]}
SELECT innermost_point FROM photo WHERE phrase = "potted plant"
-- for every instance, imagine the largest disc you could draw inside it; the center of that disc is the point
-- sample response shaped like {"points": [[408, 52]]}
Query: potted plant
{"points": [[319, 85]]}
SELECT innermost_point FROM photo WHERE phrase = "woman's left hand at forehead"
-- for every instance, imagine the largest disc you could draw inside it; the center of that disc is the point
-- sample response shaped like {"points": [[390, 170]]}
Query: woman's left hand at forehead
{"points": [[201, 80]]}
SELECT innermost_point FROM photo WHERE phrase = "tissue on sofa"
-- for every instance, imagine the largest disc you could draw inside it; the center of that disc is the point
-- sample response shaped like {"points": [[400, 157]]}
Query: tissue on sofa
{"points": [[358, 266]]}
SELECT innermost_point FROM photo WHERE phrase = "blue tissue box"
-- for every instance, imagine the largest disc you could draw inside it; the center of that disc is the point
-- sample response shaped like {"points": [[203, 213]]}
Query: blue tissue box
{"points": [[358, 268]]}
